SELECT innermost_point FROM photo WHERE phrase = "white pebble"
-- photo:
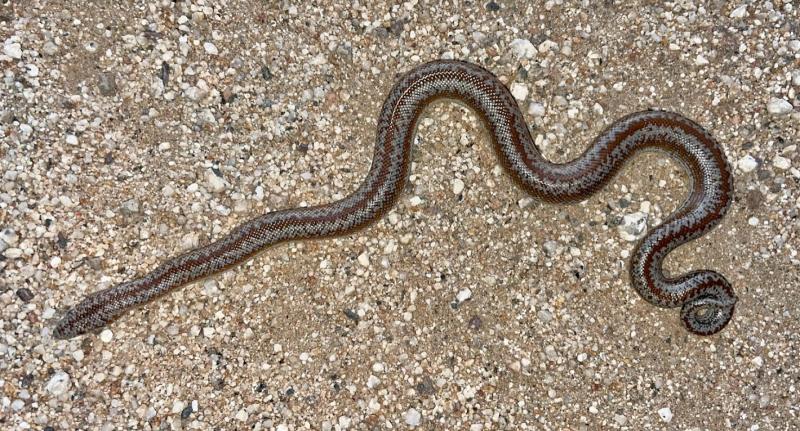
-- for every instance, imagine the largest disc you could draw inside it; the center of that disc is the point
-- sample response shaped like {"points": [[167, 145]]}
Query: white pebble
{"points": [[106, 336], [633, 226], [210, 48], [700, 60], [13, 253], [536, 109], [55, 262], [781, 163], [72, 140], [582, 357], [665, 414], [412, 417], [378, 367], [778, 106], [415, 201], [363, 259], [519, 91], [58, 384], [739, 12], [242, 415], [463, 295], [214, 183], [373, 381], [12, 49], [747, 163], [522, 48], [458, 186]]}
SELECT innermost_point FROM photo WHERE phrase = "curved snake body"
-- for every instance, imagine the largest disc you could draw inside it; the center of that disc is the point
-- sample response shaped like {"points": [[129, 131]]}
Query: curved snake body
{"points": [[706, 297]]}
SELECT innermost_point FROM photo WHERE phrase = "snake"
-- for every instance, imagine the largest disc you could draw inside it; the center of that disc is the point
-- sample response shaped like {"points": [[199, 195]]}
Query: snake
{"points": [[706, 298]]}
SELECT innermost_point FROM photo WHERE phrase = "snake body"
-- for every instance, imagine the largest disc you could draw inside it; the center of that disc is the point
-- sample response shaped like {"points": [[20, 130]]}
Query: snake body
{"points": [[706, 297]]}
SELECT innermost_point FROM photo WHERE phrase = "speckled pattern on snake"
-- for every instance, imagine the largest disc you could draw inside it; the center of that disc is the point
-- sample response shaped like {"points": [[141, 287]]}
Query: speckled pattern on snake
{"points": [[706, 297]]}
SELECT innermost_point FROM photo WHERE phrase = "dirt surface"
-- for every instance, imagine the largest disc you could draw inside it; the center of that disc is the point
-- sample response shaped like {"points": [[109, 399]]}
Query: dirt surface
{"points": [[130, 133]]}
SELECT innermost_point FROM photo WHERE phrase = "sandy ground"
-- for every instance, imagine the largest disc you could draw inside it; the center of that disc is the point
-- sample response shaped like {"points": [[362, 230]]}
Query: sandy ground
{"points": [[131, 133]]}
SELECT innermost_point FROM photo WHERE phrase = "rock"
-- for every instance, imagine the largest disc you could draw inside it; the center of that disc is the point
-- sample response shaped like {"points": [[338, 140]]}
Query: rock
{"points": [[778, 106], [130, 207], [58, 384], [12, 49], [536, 109], [522, 48], [739, 12], [50, 48], [633, 226], [214, 182], [106, 336], [665, 414], [107, 83], [519, 91], [458, 186], [412, 417], [747, 163], [463, 295], [781, 163], [363, 259], [24, 294], [210, 48]]}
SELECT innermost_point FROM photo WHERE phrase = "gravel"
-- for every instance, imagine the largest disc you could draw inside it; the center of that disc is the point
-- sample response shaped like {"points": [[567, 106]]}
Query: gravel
{"points": [[129, 137]]}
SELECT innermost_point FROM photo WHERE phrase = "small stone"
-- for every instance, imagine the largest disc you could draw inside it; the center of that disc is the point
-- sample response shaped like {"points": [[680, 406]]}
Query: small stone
{"points": [[747, 163], [58, 384], [758, 361], [665, 414], [522, 48], [536, 109], [551, 353], [24, 294], [415, 201], [778, 106], [50, 48], [492, 6], [130, 207], [463, 295], [13, 253], [378, 367], [550, 248], [781, 163], [107, 83], [739, 12], [9, 236], [412, 417], [582, 357], [214, 182], [17, 405], [12, 49], [620, 419], [242, 415], [519, 91], [544, 315], [363, 259], [458, 186], [633, 226], [700, 60], [373, 381], [210, 48], [186, 412], [106, 336], [72, 139]]}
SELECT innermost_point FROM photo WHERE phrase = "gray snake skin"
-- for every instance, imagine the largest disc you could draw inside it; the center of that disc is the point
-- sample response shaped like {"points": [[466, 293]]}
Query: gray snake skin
{"points": [[706, 297]]}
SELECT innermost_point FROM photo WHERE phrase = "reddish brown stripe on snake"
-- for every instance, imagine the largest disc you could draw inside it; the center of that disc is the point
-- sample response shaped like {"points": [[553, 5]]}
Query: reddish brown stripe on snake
{"points": [[706, 297]]}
